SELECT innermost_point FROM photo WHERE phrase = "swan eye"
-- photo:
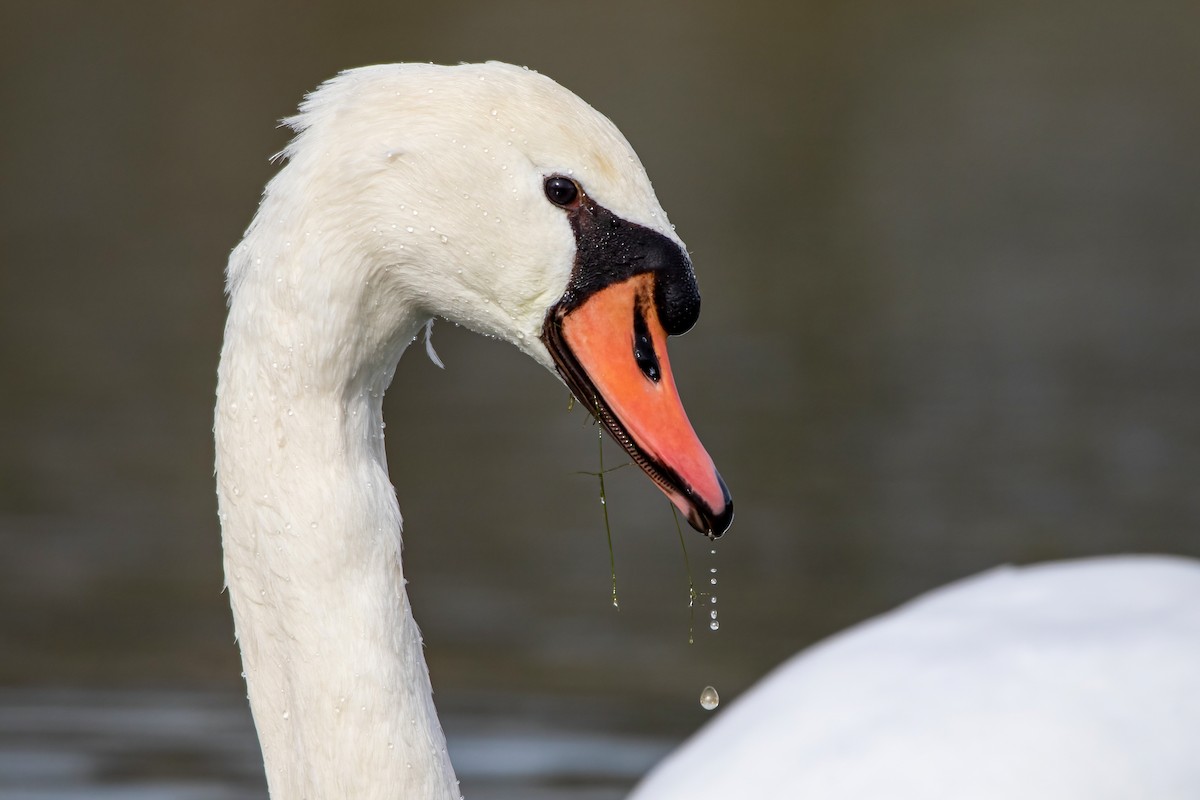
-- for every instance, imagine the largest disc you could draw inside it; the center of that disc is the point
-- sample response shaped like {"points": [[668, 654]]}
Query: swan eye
{"points": [[561, 191]]}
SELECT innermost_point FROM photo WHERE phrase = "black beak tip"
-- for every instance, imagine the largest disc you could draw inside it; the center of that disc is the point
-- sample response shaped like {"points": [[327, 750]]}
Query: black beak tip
{"points": [[712, 524]]}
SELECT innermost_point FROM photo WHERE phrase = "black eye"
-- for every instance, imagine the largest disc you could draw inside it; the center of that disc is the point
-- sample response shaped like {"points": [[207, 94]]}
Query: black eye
{"points": [[561, 191]]}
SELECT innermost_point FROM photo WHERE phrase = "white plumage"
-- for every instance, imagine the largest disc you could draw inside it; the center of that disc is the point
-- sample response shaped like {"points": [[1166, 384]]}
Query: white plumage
{"points": [[1076, 680]]}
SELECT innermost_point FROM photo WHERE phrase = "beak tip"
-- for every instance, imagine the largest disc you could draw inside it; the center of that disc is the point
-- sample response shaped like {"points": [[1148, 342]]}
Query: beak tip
{"points": [[713, 524], [721, 522]]}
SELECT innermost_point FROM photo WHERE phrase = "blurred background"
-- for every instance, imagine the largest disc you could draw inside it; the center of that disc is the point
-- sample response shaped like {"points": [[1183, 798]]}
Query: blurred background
{"points": [[950, 257]]}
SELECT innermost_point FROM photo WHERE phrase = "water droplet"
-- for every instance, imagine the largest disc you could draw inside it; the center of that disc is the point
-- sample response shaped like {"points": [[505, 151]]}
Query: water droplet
{"points": [[713, 581], [713, 613], [712, 599], [714, 625], [709, 699], [286, 715]]}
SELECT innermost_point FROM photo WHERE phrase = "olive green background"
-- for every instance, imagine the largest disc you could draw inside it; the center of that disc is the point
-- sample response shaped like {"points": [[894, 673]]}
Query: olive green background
{"points": [[950, 261]]}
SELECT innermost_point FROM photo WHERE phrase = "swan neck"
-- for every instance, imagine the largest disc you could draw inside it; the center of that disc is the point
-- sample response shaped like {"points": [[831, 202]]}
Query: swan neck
{"points": [[311, 530]]}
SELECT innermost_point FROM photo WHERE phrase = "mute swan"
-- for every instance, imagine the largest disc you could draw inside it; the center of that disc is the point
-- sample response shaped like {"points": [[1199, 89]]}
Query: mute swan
{"points": [[489, 195], [484, 194]]}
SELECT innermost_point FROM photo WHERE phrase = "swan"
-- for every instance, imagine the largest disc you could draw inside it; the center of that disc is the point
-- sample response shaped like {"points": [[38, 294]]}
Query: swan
{"points": [[487, 195], [492, 197]]}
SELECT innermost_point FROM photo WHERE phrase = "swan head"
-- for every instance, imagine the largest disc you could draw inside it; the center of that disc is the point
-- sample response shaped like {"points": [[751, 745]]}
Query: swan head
{"points": [[488, 195]]}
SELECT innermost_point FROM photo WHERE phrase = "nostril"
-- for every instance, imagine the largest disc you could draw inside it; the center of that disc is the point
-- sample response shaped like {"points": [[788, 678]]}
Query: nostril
{"points": [[643, 348]]}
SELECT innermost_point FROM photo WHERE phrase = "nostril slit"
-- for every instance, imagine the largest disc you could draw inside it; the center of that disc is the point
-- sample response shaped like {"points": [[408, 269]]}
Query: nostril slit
{"points": [[643, 348]]}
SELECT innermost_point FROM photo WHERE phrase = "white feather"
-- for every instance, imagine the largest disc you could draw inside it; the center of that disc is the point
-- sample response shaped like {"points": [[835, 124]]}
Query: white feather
{"points": [[429, 351]]}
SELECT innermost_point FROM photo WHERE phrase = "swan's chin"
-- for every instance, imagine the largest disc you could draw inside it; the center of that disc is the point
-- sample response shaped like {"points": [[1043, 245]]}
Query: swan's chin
{"points": [[611, 350]]}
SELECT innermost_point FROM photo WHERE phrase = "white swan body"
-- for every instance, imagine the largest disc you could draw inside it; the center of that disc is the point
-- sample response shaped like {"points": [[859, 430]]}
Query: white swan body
{"points": [[485, 194], [1069, 681]]}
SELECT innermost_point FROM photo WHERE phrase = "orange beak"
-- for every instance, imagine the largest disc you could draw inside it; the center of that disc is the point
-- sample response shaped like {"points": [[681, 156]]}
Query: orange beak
{"points": [[612, 352]]}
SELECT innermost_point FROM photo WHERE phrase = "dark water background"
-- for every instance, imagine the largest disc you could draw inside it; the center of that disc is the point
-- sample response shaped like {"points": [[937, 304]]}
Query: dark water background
{"points": [[950, 257]]}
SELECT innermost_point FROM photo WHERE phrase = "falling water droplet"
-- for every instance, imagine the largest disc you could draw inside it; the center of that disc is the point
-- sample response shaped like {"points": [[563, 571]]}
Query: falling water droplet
{"points": [[712, 597], [709, 699]]}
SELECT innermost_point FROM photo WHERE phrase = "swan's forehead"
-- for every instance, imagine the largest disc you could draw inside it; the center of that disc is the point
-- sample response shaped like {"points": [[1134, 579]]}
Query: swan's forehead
{"points": [[562, 134], [497, 111]]}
